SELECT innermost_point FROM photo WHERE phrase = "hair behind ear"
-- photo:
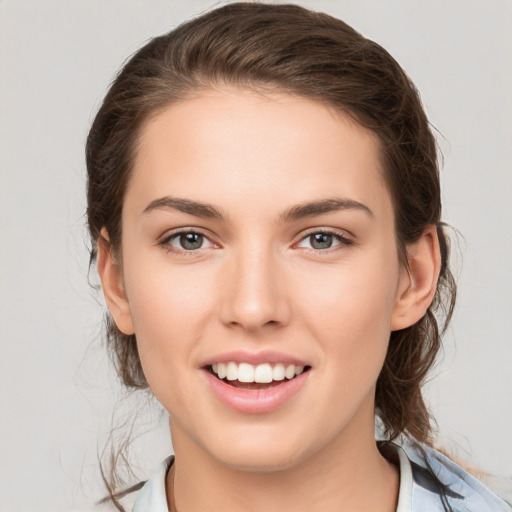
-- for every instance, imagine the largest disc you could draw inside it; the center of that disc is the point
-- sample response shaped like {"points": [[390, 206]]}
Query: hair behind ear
{"points": [[412, 352]]}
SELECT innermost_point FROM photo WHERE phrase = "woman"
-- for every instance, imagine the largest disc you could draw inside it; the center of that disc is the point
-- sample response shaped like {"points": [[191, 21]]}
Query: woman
{"points": [[264, 206]]}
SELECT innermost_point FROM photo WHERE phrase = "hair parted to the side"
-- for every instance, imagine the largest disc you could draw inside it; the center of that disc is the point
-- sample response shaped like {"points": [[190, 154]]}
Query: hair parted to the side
{"points": [[313, 55]]}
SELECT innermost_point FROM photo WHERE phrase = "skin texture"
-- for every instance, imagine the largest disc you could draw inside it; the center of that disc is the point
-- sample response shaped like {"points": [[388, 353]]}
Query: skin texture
{"points": [[257, 283]]}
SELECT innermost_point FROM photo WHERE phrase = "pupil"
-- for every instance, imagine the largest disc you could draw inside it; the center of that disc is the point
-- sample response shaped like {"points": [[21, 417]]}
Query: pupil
{"points": [[321, 241], [191, 241]]}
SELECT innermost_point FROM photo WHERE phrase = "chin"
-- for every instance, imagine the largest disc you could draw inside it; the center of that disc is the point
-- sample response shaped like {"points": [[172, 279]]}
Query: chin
{"points": [[257, 452], [259, 461]]}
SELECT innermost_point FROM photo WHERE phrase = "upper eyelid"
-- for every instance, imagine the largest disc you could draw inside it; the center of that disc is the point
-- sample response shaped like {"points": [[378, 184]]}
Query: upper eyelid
{"points": [[324, 229], [180, 231], [344, 234]]}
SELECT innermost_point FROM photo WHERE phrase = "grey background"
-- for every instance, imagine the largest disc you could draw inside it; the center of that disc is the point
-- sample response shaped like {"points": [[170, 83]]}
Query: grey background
{"points": [[56, 389]]}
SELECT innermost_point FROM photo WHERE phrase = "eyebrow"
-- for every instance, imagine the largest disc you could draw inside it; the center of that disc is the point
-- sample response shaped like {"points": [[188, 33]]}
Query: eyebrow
{"points": [[322, 206], [297, 212], [195, 208]]}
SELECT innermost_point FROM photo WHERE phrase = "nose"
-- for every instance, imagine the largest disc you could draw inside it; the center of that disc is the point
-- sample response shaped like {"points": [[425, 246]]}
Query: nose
{"points": [[254, 291]]}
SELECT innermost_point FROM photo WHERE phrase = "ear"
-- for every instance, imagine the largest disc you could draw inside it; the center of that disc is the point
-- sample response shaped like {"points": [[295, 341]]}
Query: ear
{"points": [[112, 283], [418, 283]]}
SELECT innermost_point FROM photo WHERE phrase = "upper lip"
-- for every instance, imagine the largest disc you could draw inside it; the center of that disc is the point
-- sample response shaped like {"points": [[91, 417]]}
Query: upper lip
{"points": [[255, 358]]}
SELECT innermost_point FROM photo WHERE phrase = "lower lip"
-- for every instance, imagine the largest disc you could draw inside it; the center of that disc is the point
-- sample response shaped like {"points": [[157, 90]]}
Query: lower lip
{"points": [[256, 401]]}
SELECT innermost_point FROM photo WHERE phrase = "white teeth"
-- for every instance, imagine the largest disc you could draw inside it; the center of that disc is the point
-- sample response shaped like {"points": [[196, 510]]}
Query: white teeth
{"points": [[232, 371], [245, 372], [278, 372], [221, 370], [289, 373], [261, 373]]}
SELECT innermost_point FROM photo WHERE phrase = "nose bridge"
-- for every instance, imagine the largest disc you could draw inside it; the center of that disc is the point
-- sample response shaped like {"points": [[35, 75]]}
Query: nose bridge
{"points": [[255, 293]]}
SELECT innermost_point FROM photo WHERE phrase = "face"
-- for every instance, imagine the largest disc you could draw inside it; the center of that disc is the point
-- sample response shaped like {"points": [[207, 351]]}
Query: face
{"points": [[259, 245]]}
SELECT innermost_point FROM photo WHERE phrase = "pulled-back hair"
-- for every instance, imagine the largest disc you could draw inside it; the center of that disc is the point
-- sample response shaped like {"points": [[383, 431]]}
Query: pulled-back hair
{"points": [[313, 55]]}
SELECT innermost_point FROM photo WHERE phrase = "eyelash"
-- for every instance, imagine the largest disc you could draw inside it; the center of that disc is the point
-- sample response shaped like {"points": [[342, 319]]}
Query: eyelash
{"points": [[342, 240], [165, 243]]}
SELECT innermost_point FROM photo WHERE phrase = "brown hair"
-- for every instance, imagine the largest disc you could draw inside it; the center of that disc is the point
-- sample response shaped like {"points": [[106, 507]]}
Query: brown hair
{"points": [[313, 55]]}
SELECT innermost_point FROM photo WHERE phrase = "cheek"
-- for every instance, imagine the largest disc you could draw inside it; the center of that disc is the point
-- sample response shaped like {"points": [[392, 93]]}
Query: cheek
{"points": [[356, 294], [349, 309], [169, 311]]}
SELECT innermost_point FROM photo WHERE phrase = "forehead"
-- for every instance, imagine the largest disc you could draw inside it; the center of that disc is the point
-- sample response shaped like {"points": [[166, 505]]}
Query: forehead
{"points": [[240, 144]]}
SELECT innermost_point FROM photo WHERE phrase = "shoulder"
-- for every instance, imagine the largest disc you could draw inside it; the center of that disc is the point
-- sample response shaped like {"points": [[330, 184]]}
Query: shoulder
{"points": [[433, 482]]}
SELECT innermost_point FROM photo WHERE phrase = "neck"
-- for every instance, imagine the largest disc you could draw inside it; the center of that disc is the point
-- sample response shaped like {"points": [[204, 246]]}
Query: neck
{"points": [[349, 475]]}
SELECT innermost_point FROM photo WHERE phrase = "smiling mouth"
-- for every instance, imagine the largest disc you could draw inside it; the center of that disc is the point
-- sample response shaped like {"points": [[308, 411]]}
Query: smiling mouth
{"points": [[261, 376]]}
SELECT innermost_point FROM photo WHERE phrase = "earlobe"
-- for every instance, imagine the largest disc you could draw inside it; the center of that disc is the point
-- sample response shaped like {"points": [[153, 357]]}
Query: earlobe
{"points": [[111, 277], [418, 283]]}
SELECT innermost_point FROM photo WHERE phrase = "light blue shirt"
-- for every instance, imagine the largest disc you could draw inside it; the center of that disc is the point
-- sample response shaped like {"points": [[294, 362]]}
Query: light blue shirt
{"points": [[429, 482]]}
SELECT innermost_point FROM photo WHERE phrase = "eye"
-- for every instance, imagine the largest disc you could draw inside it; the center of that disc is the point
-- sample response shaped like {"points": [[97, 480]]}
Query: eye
{"points": [[322, 240], [186, 241]]}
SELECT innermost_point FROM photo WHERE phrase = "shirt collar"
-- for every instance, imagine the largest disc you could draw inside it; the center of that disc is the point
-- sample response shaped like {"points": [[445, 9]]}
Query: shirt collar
{"points": [[153, 497], [422, 469]]}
